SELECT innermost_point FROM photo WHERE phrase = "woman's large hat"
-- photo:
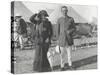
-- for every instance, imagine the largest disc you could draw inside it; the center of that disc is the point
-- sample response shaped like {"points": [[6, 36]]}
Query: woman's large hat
{"points": [[43, 12]]}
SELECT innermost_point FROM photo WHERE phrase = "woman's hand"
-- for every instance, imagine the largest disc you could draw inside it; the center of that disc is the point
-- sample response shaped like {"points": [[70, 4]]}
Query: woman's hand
{"points": [[68, 31], [47, 40]]}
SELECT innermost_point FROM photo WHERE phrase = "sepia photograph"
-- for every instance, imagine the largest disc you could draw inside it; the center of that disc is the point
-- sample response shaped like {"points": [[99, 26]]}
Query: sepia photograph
{"points": [[51, 37]]}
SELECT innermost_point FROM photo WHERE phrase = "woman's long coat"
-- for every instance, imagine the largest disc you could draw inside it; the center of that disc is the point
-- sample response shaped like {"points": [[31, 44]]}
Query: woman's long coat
{"points": [[43, 31]]}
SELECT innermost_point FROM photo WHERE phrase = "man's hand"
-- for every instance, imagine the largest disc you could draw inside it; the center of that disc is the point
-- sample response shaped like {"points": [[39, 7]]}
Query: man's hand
{"points": [[70, 31]]}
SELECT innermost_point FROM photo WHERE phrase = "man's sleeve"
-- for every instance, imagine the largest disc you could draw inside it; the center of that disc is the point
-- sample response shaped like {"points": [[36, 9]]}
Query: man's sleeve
{"points": [[73, 23], [23, 26], [72, 26]]}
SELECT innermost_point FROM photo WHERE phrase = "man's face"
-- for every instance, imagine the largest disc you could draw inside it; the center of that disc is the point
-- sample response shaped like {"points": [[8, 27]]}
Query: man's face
{"points": [[64, 11], [17, 19]]}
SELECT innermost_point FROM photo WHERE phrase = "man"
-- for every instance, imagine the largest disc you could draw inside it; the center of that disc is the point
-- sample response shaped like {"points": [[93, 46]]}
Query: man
{"points": [[65, 41], [21, 29]]}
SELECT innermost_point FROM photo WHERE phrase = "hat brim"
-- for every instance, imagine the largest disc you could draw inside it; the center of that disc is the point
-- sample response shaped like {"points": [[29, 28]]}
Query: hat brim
{"points": [[46, 15], [18, 16]]}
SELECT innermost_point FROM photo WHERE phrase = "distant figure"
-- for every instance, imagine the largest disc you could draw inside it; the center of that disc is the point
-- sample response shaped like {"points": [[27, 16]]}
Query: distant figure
{"points": [[21, 29], [65, 41]]}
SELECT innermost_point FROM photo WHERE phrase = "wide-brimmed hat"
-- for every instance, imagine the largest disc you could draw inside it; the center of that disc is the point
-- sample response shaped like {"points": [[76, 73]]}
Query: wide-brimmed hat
{"points": [[43, 12], [18, 15]]}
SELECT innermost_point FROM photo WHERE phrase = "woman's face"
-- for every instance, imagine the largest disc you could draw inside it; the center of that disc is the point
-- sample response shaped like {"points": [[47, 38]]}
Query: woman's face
{"points": [[43, 17]]}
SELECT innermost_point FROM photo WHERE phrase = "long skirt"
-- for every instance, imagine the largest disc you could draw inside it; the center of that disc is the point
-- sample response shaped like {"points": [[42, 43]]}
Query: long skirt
{"points": [[41, 63]]}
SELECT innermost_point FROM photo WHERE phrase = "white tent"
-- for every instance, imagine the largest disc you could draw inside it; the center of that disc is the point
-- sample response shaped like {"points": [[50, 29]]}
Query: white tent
{"points": [[20, 8], [80, 13]]}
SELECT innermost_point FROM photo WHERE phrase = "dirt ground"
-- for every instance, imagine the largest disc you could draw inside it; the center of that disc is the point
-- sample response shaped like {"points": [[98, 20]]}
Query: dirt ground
{"points": [[25, 59]]}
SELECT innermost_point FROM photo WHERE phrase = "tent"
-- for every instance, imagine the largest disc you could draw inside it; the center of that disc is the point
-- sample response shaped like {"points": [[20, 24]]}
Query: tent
{"points": [[20, 8], [80, 13]]}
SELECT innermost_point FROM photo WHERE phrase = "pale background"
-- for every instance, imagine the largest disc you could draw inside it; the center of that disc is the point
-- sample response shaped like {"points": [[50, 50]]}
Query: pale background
{"points": [[80, 13], [5, 37]]}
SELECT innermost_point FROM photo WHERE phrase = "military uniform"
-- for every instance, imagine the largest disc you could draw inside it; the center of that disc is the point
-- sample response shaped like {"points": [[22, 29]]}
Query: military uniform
{"points": [[64, 25], [22, 31], [65, 41]]}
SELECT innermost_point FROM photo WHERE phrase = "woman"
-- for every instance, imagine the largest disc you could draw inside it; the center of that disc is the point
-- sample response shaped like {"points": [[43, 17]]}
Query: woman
{"points": [[43, 32]]}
